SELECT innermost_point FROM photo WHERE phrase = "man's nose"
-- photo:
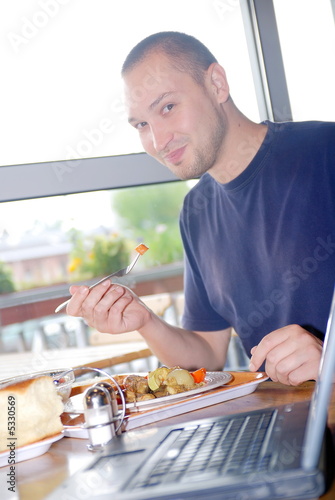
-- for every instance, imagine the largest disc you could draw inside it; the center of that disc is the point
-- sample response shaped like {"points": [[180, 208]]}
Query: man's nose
{"points": [[160, 137]]}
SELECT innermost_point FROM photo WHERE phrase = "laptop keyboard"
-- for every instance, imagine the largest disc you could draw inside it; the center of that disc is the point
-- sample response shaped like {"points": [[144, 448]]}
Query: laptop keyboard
{"points": [[228, 446]]}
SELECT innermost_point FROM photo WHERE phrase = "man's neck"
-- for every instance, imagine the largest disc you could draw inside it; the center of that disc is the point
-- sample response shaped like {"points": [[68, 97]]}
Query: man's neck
{"points": [[242, 142]]}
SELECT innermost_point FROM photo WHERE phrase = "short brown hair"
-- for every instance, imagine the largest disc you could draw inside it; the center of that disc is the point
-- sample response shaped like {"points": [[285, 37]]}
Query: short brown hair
{"points": [[187, 54]]}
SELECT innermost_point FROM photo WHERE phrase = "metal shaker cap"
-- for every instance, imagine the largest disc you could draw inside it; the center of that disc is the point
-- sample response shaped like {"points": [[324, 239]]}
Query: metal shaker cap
{"points": [[109, 388], [95, 397]]}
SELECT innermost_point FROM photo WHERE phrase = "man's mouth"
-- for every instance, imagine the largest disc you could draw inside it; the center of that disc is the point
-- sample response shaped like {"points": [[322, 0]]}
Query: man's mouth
{"points": [[175, 156]]}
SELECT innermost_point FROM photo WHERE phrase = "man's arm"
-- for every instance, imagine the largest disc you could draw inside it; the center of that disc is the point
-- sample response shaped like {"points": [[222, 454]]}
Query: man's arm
{"points": [[186, 348], [114, 309], [292, 355]]}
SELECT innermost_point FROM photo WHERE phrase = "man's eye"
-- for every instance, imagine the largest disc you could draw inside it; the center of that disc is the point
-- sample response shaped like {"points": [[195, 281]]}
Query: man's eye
{"points": [[167, 108], [140, 125]]}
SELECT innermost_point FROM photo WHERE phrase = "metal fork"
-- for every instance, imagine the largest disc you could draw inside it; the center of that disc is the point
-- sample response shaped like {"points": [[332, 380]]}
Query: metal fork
{"points": [[117, 274]]}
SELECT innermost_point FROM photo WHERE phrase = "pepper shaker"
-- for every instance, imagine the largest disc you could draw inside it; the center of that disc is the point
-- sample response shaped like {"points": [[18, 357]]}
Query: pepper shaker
{"points": [[98, 417], [115, 408]]}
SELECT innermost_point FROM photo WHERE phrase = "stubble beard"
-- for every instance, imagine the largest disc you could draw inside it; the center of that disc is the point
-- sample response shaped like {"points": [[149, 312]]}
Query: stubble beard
{"points": [[206, 156]]}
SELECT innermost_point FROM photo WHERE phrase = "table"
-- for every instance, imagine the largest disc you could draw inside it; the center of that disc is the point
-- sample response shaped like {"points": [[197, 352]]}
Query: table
{"points": [[39, 476]]}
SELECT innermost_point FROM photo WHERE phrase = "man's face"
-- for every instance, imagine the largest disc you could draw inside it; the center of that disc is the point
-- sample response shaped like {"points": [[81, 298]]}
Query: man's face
{"points": [[179, 121]]}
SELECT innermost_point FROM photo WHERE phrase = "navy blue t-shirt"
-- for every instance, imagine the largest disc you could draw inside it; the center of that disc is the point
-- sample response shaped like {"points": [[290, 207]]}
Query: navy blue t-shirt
{"points": [[260, 250]]}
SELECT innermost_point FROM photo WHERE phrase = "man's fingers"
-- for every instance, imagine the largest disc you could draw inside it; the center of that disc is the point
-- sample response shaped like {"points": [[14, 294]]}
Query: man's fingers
{"points": [[74, 288], [115, 315], [270, 346], [258, 357], [289, 354], [84, 298], [252, 365], [79, 294], [109, 302]]}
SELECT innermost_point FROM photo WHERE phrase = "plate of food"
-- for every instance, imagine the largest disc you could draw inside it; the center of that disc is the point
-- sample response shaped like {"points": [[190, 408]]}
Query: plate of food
{"points": [[216, 387], [156, 388], [168, 385]]}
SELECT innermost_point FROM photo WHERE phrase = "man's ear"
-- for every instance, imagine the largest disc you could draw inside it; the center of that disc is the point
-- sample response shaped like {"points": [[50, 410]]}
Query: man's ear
{"points": [[218, 82]]}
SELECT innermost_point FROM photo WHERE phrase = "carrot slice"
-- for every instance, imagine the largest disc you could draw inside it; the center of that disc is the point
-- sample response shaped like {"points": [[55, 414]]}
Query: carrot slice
{"points": [[141, 249], [199, 375]]}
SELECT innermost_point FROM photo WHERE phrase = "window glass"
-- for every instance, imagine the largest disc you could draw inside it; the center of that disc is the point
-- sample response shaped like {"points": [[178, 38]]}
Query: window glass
{"points": [[61, 90], [48, 243], [307, 37], [79, 237]]}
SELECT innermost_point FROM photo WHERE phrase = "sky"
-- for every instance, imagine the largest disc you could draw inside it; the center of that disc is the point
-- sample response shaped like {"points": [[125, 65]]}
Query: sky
{"points": [[18, 217]]}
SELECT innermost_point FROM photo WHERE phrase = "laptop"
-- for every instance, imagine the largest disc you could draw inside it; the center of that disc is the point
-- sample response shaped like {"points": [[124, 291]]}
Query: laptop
{"points": [[275, 453]]}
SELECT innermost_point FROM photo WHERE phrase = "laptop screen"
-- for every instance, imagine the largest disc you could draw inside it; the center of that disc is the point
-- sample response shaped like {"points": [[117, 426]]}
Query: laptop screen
{"points": [[317, 417]]}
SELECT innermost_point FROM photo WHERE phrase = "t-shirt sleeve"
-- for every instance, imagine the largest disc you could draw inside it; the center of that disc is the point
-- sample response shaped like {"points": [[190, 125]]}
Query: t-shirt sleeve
{"points": [[198, 314]]}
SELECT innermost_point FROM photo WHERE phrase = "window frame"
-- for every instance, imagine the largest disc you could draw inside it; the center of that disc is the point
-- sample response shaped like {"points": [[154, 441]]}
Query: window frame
{"points": [[266, 59], [36, 180]]}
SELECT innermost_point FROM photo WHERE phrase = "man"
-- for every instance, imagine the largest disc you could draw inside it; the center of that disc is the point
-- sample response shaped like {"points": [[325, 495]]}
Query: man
{"points": [[258, 228]]}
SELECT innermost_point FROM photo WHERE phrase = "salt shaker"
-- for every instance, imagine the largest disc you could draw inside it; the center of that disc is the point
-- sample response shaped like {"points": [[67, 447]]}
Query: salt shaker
{"points": [[98, 417], [115, 408]]}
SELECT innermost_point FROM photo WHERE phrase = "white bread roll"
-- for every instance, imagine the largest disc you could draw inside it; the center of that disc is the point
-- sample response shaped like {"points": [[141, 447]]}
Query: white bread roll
{"points": [[33, 414]]}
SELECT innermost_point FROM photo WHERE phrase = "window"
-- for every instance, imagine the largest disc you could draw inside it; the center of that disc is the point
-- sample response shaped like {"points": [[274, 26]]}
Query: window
{"points": [[48, 243], [62, 92], [307, 38], [77, 237]]}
